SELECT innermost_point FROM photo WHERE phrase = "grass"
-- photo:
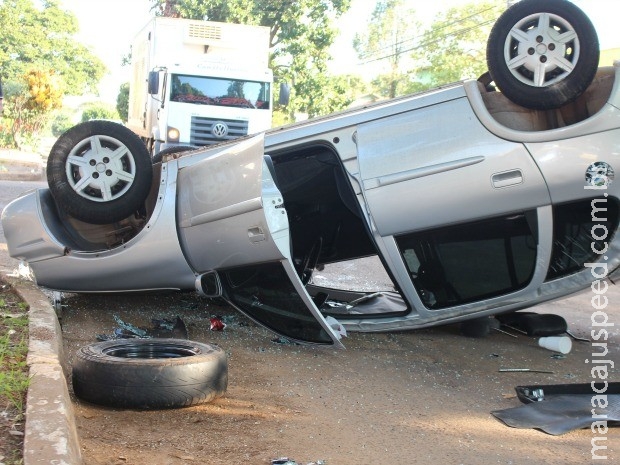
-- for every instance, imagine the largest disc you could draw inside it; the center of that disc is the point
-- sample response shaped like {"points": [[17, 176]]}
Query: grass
{"points": [[13, 375]]}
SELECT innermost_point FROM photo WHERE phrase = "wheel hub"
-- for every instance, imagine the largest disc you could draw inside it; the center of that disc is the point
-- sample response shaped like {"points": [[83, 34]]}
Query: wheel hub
{"points": [[541, 49], [100, 168]]}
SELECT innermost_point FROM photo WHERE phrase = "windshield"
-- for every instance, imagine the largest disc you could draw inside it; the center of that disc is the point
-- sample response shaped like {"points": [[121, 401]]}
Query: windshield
{"points": [[203, 90]]}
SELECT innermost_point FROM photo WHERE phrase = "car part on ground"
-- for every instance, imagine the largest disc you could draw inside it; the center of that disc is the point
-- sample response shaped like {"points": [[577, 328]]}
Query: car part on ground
{"points": [[159, 156], [534, 324], [558, 409], [99, 172], [150, 373], [543, 54]]}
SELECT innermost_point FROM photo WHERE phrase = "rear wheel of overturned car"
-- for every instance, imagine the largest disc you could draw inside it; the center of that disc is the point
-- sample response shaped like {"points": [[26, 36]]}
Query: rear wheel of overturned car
{"points": [[99, 172], [543, 54], [150, 373]]}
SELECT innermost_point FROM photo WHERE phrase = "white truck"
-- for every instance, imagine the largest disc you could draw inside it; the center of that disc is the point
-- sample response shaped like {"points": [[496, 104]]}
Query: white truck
{"points": [[197, 83]]}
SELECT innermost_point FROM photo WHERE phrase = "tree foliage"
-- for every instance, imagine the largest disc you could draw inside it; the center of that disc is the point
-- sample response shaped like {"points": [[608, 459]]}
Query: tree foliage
{"points": [[99, 110], [40, 61], [386, 40], [29, 104], [44, 89], [40, 35], [122, 102], [454, 47], [412, 58], [301, 33]]}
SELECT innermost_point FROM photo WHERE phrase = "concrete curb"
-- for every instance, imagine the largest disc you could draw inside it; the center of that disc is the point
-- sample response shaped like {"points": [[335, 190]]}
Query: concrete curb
{"points": [[16, 165], [50, 432]]}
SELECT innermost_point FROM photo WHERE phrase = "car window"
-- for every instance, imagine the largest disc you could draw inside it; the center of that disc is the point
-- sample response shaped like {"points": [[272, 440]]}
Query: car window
{"points": [[469, 262], [265, 293], [580, 229]]}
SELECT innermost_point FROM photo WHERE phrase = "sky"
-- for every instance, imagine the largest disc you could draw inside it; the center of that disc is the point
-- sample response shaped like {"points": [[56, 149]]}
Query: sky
{"points": [[109, 26]]}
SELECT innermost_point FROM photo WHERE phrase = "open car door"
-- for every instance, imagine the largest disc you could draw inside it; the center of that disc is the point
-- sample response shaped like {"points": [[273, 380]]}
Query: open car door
{"points": [[234, 231]]}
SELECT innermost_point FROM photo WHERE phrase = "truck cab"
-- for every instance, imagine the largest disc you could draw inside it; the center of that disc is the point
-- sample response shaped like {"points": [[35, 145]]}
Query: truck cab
{"points": [[198, 83]]}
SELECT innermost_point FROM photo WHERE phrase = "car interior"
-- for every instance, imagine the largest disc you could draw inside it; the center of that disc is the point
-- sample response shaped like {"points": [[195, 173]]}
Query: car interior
{"points": [[519, 118]]}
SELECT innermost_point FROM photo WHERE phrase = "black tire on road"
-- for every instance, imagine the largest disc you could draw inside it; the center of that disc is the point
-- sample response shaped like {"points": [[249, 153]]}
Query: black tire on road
{"points": [[159, 156], [99, 172], [150, 373], [543, 54]]}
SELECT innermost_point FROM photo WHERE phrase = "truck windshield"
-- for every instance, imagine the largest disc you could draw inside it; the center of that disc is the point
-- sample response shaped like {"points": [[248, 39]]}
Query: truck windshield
{"points": [[202, 90]]}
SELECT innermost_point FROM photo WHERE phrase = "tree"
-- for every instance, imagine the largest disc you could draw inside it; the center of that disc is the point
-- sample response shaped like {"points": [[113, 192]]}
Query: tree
{"points": [[122, 102], [29, 105], [98, 110], [454, 47], [39, 35], [386, 41], [39, 63], [301, 33]]}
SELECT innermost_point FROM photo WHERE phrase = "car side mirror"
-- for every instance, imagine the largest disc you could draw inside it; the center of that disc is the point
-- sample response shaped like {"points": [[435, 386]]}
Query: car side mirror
{"points": [[285, 94], [209, 285], [153, 86]]}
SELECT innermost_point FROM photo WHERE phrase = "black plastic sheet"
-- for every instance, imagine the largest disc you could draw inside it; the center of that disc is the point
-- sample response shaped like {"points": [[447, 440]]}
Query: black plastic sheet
{"points": [[558, 409]]}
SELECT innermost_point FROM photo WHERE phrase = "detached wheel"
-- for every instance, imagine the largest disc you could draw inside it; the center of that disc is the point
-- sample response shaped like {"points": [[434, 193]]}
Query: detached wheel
{"points": [[543, 54], [99, 172], [150, 373], [159, 156]]}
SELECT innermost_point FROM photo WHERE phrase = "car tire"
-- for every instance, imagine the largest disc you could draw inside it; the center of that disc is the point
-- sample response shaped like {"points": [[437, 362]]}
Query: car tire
{"points": [[159, 156], [532, 63], [99, 172], [149, 373]]}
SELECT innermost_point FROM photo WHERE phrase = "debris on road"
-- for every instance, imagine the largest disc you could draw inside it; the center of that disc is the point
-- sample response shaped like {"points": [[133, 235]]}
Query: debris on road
{"points": [[162, 328], [217, 324], [524, 370], [558, 409]]}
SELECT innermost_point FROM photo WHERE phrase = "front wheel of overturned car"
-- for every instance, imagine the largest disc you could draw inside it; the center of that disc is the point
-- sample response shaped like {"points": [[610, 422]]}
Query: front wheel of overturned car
{"points": [[99, 172], [543, 54], [150, 373]]}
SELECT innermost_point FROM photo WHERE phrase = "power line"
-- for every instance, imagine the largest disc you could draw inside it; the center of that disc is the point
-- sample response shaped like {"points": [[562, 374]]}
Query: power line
{"points": [[429, 41]]}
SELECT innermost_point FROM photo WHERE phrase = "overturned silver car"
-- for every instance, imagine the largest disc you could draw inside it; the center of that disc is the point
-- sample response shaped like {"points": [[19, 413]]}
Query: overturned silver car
{"points": [[475, 201]]}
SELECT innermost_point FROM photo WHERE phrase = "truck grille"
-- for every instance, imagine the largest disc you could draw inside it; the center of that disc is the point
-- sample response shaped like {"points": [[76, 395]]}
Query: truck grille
{"points": [[207, 131]]}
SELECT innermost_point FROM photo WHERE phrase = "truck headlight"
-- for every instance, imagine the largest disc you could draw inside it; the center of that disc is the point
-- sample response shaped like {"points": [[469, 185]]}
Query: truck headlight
{"points": [[173, 134]]}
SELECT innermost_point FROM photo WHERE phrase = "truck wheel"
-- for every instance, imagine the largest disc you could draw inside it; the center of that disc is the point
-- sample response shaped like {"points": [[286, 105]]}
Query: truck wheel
{"points": [[99, 172], [543, 54], [159, 156], [149, 373]]}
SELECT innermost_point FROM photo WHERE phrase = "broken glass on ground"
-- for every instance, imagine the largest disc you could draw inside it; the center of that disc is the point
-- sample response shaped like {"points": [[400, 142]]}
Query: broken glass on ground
{"points": [[161, 328]]}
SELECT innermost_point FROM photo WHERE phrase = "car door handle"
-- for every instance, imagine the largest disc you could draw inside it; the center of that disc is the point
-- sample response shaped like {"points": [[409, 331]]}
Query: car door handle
{"points": [[256, 234], [507, 178]]}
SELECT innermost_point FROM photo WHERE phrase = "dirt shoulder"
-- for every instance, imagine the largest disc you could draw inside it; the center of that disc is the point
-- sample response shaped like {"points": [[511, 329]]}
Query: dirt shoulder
{"points": [[412, 397]]}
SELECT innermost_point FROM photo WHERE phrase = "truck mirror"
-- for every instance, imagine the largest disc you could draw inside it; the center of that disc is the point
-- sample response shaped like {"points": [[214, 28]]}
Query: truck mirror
{"points": [[153, 83], [285, 94]]}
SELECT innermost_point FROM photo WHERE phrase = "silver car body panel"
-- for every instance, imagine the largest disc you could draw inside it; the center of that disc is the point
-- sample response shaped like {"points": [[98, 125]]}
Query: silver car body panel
{"points": [[133, 266], [230, 212]]}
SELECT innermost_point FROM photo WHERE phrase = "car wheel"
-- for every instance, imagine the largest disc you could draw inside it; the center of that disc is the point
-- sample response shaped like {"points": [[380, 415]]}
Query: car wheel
{"points": [[99, 172], [149, 373], [543, 54], [159, 156]]}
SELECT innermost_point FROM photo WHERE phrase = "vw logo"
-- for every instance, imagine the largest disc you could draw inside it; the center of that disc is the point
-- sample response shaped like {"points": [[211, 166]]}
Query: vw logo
{"points": [[219, 130]]}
